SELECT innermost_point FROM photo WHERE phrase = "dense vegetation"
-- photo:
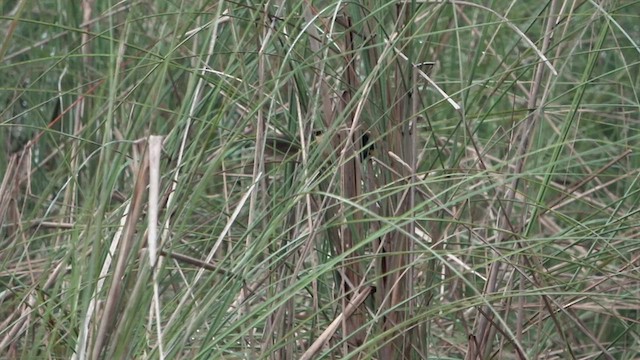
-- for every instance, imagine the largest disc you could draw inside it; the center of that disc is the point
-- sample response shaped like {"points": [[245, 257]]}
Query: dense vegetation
{"points": [[298, 179]]}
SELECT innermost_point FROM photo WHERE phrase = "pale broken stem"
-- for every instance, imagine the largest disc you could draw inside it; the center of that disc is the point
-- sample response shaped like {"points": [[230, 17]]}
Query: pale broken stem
{"points": [[155, 149], [155, 152]]}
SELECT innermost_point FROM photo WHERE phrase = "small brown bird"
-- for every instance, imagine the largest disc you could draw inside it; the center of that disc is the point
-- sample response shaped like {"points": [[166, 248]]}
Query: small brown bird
{"points": [[282, 145]]}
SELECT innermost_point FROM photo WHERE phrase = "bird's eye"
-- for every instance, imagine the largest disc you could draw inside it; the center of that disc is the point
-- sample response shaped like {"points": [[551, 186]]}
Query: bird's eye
{"points": [[366, 146]]}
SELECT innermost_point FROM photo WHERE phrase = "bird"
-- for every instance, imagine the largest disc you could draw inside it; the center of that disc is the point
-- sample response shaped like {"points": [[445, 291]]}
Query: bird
{"points": [[284, 145]]}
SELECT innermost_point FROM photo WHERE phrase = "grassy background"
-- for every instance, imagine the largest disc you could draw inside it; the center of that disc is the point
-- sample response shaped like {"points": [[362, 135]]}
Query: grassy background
{"points": [[495, 215]]}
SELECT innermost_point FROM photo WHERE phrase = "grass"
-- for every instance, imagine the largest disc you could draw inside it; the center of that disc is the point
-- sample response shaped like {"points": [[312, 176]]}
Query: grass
{"points": [[373, 180]]}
